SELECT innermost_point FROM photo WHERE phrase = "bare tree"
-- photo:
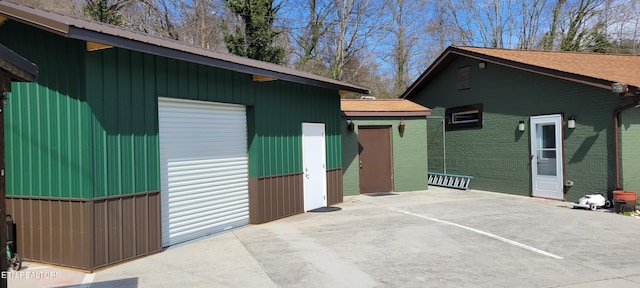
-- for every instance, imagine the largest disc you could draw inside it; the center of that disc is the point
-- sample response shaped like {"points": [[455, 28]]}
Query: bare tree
{"points": [[354, 22], [485, 22], [404, 27], [309, 39], [67, 7], [151, 17], [531, 14]]}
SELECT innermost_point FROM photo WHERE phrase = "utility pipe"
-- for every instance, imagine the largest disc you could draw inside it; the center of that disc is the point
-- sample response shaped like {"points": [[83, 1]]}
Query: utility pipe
{"points": [[616, 144]]}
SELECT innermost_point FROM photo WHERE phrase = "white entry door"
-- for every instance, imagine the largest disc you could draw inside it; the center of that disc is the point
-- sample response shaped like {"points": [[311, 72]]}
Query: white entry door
{"points": [[314, 166], [546, 158]]}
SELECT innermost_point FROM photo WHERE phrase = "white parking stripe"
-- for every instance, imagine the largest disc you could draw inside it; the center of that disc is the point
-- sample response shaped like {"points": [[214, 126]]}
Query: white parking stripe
{"points": [[88, 279], [536, 250]]}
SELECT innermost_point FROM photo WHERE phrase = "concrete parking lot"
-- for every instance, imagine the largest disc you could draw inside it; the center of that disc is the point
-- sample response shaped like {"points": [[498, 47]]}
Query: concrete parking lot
{"points": [[435, 238]]}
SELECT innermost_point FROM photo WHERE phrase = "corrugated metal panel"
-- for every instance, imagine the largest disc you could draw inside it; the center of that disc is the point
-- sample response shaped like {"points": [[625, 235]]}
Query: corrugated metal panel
{"points": [[47, 132], [125, 227], [203, 168], [121, 94], [334, 186], [275, 197], [279, 111], [53, 231]]}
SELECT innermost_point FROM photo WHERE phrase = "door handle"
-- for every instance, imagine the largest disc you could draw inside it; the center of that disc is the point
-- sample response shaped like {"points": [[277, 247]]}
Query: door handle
{"points": [[360, 164], [531, 158]]}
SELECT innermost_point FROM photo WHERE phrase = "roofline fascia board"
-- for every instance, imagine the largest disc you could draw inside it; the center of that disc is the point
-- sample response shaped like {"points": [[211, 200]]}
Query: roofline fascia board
{"points": [[600, 83], [420, 82], [451, 52], [112, 40], [17, 65], [385, 113], [33, 19]]}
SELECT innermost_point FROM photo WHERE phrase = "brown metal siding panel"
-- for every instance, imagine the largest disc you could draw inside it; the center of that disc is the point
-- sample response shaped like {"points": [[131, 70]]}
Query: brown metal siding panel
{"points": [[275, 197], [114, 228], [141, 216], [334, 186], [256, 213], [154, 231], [100, 233], [45, 230], [127, 227], [57, 234], [87, 234]]}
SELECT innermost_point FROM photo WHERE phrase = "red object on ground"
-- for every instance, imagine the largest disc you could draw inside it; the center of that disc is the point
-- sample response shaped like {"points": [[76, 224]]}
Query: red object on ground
{"points": [[625, 195]]}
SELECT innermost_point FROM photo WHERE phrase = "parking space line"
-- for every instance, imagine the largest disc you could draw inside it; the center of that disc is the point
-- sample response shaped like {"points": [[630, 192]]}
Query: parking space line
{"points": [[493, 236], [87, 280]]}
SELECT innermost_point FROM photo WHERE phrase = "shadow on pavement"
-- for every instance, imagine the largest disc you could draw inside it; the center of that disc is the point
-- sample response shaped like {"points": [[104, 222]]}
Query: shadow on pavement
{"points": [[121, 283]]}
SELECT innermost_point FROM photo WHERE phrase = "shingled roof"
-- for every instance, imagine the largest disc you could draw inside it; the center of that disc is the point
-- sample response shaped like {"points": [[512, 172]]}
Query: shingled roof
{"points": [[108, 35], [595, 69], [384, 107]]}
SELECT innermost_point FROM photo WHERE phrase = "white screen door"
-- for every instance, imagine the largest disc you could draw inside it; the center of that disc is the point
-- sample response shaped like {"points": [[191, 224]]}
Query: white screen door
{"points": [[313, 166], [546, 158]]}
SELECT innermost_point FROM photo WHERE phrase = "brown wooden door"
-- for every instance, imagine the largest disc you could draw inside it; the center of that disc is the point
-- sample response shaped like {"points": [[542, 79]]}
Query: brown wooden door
{"points": [[375, 159]]}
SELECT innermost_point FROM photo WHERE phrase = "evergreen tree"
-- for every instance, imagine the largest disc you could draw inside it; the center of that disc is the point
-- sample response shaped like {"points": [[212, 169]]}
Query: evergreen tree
{"points": [[105, 11], [255, 41]]}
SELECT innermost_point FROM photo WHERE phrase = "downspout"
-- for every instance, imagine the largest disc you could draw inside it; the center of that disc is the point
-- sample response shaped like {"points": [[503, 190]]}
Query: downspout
{"points": [[616, 130], [444, 144]]}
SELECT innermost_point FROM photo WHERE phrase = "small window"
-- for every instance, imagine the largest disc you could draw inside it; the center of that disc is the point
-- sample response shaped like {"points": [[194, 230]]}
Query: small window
{"points": [[463, 78], [465, 117], [462, 117]]}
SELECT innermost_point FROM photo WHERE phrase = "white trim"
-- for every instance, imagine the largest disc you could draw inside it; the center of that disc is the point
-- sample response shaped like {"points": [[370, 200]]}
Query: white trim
{"points": [[545, 185], [453, 117], [314, 169]]}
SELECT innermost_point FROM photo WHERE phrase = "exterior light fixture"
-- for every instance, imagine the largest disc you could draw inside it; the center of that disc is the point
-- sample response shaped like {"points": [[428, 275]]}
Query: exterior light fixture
{"points": [[482, 65], [521, 126], [401, 127], [571, 123], [350, 126]]}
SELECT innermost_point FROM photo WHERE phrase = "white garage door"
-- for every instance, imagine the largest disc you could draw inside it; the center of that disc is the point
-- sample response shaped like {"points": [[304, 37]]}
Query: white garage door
{"points": [[203, 166]]}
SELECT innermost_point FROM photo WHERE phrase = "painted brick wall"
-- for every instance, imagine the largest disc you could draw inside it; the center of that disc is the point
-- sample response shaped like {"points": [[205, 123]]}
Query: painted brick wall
{"points": [[409, 154], [497, 155], [630, 149]]}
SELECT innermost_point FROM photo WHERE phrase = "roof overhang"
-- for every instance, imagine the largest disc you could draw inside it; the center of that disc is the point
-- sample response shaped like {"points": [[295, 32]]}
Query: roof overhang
{"points": [[16, 67], [108, 35], [453, 53], [386, 113]]}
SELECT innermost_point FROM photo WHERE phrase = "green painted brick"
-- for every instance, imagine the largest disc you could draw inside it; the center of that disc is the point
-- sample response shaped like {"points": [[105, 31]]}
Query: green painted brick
{"points": [[630, 149], [409, 153], [497, 155]]}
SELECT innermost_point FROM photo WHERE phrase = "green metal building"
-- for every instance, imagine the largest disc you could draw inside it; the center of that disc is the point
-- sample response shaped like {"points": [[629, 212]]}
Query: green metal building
{"points": [[384, 145], [129, 143], [544, 124]]}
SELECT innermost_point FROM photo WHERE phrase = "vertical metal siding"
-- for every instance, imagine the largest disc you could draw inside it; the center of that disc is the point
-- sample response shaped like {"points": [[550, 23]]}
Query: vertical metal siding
{"points": [[279, 111], [104, 104], [275, 197], [47, 131], [66, 226], [204, 170], [121, 92]]}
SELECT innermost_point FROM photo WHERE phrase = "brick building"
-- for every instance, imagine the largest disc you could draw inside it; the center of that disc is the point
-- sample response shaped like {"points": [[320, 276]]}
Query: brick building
{"points": [[544, 124]]}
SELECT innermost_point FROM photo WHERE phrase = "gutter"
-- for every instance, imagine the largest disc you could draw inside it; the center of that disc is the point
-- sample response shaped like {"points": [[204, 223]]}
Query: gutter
{"points": [[616, 131]]}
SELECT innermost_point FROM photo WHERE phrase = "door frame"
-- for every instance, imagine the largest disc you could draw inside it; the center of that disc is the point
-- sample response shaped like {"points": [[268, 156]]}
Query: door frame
{"points": [[557, 120], [388, 128], [307, 190]]}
